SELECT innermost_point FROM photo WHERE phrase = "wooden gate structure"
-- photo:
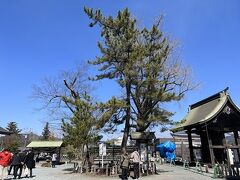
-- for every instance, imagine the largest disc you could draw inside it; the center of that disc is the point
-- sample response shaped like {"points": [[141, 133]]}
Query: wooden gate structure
{"points": [[213, 118]]}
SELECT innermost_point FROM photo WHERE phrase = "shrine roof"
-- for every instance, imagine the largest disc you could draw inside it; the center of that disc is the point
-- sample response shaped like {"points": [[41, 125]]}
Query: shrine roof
{"points": [[205, 110]]}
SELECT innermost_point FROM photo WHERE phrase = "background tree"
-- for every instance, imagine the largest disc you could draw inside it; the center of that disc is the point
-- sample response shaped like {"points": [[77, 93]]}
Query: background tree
{"points": [[12, 142], [12, 127], [46, 134], [142, 61], [81, 130]]}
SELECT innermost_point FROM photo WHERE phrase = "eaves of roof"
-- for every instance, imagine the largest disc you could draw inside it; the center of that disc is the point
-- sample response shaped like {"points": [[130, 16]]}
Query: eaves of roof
{"points": [[205, 110]]}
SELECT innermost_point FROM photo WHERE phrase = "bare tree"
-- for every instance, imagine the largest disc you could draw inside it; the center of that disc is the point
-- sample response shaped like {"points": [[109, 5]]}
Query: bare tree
{"points": [[68, 96]]}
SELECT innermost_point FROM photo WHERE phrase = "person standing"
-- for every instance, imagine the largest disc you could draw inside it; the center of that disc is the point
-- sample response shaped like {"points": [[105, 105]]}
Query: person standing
{"points": [[10, 167], [135, 157], [22, 156], [29, 161], [54, 160], [16, 164], [125, 166], [5, 159]]}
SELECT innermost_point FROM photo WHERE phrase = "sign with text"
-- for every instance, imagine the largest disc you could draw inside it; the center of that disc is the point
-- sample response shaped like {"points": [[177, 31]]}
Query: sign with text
{"points": [[102, 149]]}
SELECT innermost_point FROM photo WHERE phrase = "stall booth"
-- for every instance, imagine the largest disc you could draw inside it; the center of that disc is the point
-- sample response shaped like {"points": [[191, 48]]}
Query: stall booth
{"points": [[44, 149]]}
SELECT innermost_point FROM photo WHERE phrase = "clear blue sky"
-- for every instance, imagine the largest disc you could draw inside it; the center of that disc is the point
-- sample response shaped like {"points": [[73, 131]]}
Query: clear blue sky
{"points": [[41, 37]]}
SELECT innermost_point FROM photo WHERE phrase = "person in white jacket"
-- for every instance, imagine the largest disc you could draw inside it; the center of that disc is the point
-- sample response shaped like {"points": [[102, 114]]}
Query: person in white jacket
{"points": [[54, 160], [135, 157]]}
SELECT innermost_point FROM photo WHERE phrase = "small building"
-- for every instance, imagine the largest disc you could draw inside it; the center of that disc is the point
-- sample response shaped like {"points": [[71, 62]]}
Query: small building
{"points": [[145, 141], [213, 119], [46, 146]]}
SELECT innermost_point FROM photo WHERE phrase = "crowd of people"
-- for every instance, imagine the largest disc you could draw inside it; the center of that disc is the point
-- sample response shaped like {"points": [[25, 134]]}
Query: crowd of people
{"points": [[20, 162]]}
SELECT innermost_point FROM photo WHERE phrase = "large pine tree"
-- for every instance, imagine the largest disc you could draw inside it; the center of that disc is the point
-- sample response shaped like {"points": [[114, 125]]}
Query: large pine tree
{"points": [[142, 63], [118, 54]]}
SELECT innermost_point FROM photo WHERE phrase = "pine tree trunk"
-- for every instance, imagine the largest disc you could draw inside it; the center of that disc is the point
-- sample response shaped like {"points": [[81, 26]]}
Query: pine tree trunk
{"points": [[127, 122]]}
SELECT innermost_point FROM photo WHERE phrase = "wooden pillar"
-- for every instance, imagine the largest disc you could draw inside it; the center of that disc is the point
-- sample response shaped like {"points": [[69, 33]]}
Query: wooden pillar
{"points": [[236, 137], [138, 146], [147, 158], [226, 150], [181, 148], [211, 151], [59, 154], [113, 151], [190, 145], [210, 147], [205, 147]]}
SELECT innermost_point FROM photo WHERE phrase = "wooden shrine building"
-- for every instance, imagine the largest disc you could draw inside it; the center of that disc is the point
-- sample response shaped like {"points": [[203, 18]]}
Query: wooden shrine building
{"points": [[213, 119]]}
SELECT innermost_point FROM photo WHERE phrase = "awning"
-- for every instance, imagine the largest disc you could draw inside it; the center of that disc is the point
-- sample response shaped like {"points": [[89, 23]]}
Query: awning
{"points": [[45, 144], [142, 136]]}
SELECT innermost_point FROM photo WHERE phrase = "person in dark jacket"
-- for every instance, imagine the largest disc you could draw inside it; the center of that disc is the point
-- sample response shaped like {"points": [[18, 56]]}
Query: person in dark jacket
{"points": [[125, 166], [22, 157], [29, 161], [10, 167], [16, 162]]}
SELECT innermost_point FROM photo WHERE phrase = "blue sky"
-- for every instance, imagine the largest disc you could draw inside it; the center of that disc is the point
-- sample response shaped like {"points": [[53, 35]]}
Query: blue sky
{"points": [[42, 37]]}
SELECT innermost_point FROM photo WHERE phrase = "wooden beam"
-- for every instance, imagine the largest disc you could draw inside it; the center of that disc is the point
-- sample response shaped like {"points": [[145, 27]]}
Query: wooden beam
{"points": [[217, 147], [224, 146], [195, 147]]}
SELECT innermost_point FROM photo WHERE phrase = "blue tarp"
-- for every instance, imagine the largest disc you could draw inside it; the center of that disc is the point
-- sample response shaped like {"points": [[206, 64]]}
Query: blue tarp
{"points": [[166, 150]]}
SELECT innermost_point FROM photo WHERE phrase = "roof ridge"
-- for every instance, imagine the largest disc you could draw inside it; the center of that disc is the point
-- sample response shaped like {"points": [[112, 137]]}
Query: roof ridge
{"points": [[210, 98]]}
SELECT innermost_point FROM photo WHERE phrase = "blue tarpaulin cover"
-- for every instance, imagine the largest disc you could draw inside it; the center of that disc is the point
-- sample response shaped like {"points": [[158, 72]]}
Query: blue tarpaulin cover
{"points": [[166, 150]]}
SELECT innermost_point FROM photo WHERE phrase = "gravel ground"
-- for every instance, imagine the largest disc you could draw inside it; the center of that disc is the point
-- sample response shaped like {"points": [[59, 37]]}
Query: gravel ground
{"points": [[165, 172]]}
